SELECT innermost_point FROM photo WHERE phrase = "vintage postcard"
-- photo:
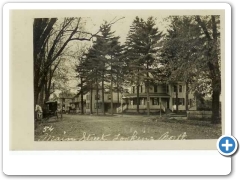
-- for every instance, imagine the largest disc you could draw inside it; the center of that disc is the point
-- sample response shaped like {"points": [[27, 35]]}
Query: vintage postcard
{"points": [[118, 78], [150, 77]]}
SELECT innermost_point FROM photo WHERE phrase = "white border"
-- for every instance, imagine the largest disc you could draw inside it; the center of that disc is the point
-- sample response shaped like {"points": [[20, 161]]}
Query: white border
{"points": [[145, 5], [114, 162]]}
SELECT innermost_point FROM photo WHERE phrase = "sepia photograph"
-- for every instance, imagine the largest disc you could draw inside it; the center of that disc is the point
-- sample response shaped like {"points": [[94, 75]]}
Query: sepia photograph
{"points": [[144, 83], [127, 75]]}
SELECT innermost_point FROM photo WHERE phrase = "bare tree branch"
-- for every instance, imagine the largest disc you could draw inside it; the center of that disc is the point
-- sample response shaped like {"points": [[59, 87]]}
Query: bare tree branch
{"points": [[111, 23]]}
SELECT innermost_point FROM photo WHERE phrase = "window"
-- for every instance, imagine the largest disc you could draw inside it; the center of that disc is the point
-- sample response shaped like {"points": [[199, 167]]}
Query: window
{"points": [[97, 97], [155, 88], [175, 88], [167, 90], [126, 91], [87, 97], [109, 97], [155, 101], [180, 101], [141, 89], [174, 101], [133, 89], [97, 105], [87, 106], [135, 101], [141, 101], [180, 88]]}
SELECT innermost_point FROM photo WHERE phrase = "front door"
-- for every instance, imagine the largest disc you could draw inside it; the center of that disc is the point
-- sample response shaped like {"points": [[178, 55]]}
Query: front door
{"points": [[168, 103], [106, 107]]}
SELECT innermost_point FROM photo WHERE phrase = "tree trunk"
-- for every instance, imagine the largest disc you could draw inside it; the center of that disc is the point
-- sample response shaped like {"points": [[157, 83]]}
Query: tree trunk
{"points": [[41, 97], [91, 91], [177, 98], [47, 86], [138, 98], [48, 82], [160, 104], [97, 94], [103, 109], [81, 94], [36, 93], [138, 92], [111, 92], [47, 97], [216, 119], [117, 88], [186, 102], [82, 103], [148, 98]]}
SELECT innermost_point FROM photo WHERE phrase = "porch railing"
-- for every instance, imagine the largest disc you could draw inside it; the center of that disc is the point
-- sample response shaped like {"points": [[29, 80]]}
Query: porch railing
{"points": [[132, 107], [121, 108]]}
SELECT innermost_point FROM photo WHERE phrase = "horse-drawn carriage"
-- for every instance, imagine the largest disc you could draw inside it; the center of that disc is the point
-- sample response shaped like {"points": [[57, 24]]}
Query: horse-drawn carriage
{"points": [[50, 109]]}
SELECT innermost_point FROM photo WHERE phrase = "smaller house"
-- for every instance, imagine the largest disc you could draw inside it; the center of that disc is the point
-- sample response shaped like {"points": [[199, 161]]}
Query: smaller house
{"points": [[64, 103], [75, 105], [97, 102]]}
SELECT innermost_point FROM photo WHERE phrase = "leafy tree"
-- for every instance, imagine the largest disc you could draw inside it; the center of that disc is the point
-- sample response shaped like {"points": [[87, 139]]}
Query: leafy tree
{"points": [[50, 39], [180, 52], [191, 54], [42, 28], [210, 26]]}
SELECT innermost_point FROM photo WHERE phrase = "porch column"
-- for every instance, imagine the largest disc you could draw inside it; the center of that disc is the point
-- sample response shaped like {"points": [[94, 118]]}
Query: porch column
{"points": [[160, 105], [145, 104], [170, 102]]}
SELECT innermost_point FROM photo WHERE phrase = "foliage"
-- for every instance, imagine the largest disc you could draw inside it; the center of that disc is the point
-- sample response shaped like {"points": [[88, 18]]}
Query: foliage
{"points": [[191, 54], [51, 38]]}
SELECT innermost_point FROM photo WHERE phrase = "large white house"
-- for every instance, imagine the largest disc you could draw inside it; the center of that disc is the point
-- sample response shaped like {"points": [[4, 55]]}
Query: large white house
{"points": [[161, 96]]}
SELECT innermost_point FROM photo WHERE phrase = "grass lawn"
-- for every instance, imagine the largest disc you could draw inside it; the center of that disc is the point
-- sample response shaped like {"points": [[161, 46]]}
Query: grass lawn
{"points": [[120, 128]]}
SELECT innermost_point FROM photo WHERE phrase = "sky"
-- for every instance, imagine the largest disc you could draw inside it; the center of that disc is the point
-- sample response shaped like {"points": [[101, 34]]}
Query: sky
{"points": [[94, 19], [122, 26]]}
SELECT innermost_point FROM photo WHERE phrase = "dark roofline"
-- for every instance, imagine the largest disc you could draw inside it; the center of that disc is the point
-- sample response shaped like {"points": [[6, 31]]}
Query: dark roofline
{"points": [[133, 95]]}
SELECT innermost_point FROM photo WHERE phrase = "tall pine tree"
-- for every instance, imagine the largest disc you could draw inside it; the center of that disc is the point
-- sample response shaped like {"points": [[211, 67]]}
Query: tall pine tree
{"points": [[142, 46]]}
